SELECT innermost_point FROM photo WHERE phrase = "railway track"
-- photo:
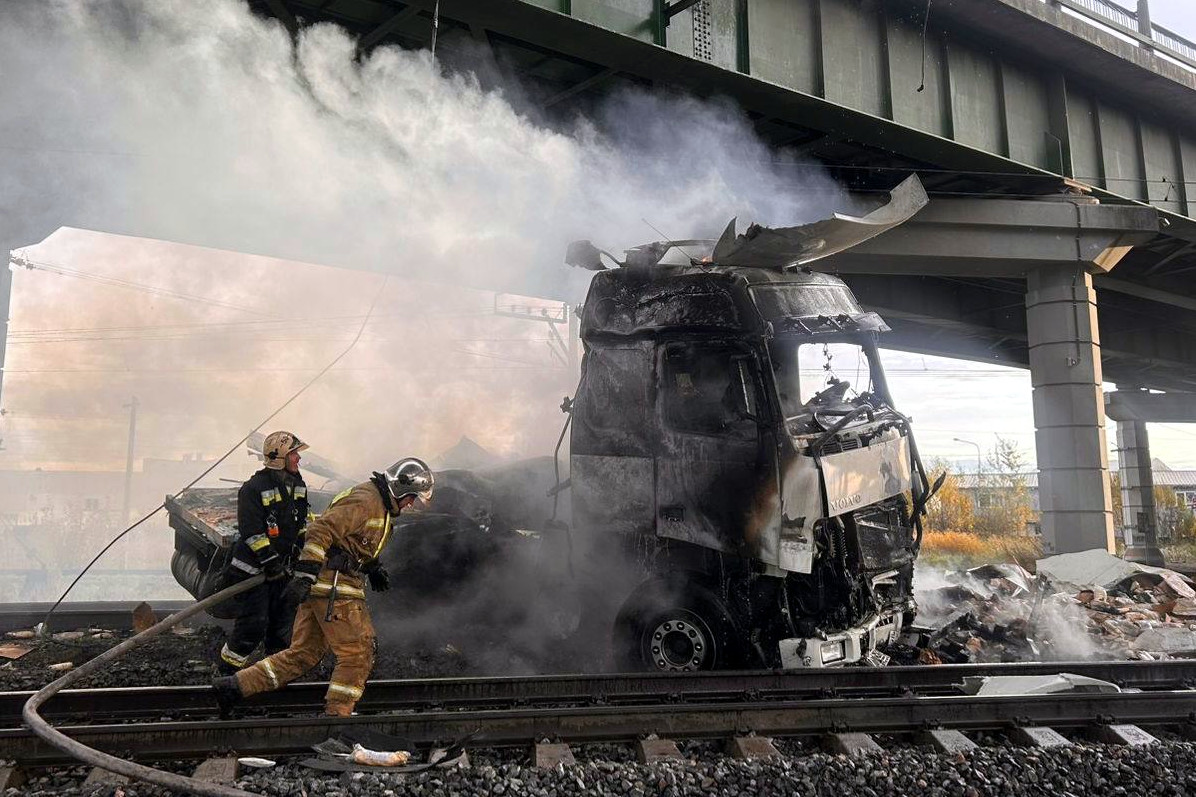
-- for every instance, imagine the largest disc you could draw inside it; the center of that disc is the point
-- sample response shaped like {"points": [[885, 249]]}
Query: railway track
{"points": [[518, 711], [581, 690]]}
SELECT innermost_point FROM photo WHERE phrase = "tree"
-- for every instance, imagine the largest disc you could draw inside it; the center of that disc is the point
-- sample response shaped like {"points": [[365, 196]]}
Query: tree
{"points": [[1008, 509], [950, 509], [1176, 522]]}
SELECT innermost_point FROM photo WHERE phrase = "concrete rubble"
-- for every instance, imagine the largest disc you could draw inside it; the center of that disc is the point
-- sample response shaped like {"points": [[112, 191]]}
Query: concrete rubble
{"points": [[1087, 605]]}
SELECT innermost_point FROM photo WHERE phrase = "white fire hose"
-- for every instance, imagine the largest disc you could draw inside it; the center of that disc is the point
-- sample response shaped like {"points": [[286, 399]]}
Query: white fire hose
{"points": [[111, 763]]}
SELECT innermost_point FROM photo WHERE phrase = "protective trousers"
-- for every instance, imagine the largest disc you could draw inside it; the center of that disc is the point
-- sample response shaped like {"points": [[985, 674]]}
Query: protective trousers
{"points": [[349, 634], [263, 614]]}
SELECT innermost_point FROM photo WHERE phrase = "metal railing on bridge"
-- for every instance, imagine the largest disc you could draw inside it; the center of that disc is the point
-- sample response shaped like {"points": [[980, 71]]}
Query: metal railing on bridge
{"points": [[1135, 26]]}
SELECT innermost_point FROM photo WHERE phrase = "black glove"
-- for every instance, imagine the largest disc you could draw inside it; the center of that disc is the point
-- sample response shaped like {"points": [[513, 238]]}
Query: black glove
{"points": [[379, 578], [297, 591], [273, 569]]}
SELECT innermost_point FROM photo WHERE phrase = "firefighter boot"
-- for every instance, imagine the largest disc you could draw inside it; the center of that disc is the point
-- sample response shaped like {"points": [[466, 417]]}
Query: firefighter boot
{"points": [[228, 694]]}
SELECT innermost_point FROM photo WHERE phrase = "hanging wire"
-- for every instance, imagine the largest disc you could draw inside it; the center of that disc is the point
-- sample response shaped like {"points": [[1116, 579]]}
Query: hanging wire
{"points": [[45, 624], [925, 24]]}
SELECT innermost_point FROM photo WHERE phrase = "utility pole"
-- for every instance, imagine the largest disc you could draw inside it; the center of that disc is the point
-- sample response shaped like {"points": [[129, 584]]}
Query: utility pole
{"points": [[132, 406], [979, 481]]}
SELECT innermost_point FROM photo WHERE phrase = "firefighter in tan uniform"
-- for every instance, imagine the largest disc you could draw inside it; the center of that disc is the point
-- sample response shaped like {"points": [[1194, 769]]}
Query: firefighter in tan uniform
{"points": [[340, 553]]}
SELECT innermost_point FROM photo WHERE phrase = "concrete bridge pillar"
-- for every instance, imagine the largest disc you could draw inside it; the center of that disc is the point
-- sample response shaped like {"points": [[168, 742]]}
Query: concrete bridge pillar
{"points": [[1137, 493], [1069, 412], [5, 308]]}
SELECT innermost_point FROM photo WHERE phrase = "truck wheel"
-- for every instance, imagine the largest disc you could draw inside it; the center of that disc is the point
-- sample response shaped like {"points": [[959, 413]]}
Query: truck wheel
{"points": [[675, 629]]}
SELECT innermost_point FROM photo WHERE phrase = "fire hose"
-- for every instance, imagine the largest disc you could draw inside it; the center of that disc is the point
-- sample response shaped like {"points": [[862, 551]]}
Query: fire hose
{"points": [[111, 763]]}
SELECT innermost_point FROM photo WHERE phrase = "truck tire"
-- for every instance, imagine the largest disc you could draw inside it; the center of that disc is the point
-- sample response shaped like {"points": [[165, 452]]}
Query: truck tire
{"points": [[670, 627]]}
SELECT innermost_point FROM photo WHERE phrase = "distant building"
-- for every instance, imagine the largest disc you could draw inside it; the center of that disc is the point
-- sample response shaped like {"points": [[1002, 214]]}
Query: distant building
{"points": [[53, 522], [985, 488]]}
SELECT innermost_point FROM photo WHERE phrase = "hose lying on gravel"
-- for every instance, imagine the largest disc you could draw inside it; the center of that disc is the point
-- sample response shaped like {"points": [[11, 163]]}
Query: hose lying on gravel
{"points": [[120, 766]]}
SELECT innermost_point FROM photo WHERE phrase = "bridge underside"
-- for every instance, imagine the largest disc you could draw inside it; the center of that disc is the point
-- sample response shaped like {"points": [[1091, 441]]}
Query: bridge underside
{"points": [[565, 65]]}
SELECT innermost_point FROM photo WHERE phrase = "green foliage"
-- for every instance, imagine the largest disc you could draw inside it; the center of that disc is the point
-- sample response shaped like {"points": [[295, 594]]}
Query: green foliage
{"points": [[950, 509], [1176, 521], [1005, 505]]}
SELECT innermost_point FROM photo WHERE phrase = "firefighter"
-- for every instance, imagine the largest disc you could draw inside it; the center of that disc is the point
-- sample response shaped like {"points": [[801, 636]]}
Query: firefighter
{"points": [[272, 511], [340, 553]]}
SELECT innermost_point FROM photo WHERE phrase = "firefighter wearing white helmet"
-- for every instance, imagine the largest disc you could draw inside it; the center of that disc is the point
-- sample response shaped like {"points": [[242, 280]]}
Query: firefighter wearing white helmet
{"points": [[340, 554], [272, 511]]}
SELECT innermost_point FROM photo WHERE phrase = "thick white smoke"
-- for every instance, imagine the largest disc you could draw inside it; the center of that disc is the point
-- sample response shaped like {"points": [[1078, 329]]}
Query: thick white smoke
{"points": [[203, 123], [200, 122]]}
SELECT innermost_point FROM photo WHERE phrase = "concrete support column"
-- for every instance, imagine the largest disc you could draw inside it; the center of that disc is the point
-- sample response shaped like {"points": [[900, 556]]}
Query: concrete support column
{"points": [[1069, 411], [5, 305], [1137, 493]]}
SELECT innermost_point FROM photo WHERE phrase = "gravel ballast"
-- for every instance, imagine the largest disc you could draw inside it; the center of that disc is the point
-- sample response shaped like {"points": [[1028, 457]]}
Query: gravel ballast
{"points": [[1167, 768]]}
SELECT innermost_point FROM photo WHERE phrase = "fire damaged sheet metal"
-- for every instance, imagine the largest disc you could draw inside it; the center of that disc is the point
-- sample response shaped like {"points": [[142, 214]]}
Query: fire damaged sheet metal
{"points": [[614, 494], [784, 247], [866, 476], [623, 305], [853, 479]]}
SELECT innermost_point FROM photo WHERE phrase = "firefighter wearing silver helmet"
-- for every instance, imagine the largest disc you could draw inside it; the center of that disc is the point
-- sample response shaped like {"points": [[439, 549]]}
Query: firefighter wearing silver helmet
{"points": [[339, 556]]}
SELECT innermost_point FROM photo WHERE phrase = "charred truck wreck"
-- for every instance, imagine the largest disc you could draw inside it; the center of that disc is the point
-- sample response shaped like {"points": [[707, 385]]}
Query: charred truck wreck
{"points": [[733, 430], [743, 493]]}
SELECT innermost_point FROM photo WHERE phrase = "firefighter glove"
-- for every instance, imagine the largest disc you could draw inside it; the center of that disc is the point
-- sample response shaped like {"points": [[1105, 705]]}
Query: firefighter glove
{"points": [[379, 578], [297, 591], [273, 569]]}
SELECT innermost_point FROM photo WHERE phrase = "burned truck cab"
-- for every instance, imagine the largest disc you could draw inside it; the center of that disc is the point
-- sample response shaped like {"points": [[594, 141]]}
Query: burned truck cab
{"points": [[735, 446]]}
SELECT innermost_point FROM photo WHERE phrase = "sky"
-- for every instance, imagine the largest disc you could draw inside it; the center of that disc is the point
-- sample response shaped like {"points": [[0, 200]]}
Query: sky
{"points": [[1175, 15]]}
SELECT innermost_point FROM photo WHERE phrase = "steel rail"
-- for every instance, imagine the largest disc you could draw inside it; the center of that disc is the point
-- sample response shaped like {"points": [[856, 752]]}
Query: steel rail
{"points": [[613, 689], [109, 615], [269, 736]]}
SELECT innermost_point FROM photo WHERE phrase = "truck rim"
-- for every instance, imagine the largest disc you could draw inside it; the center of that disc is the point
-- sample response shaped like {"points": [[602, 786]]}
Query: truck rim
{"points": [[680, 641]]}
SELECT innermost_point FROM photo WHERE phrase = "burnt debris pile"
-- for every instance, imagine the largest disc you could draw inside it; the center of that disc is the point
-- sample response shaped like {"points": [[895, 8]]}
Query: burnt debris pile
{"points": [[1088, 605]]}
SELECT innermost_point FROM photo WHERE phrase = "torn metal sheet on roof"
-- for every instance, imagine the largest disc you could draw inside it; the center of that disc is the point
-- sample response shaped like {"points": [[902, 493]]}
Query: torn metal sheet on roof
{"points": [[786, 247]]}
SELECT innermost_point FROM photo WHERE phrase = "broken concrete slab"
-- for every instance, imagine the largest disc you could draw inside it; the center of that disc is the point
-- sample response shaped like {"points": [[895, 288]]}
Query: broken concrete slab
{"points": [[946, 741], [1098, 567], [1035, 684], [850, 743], [98, 778], [1167, 639], [648, 751], [1038, 737], [1127, 735], [546, 755], [217, 770]]}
